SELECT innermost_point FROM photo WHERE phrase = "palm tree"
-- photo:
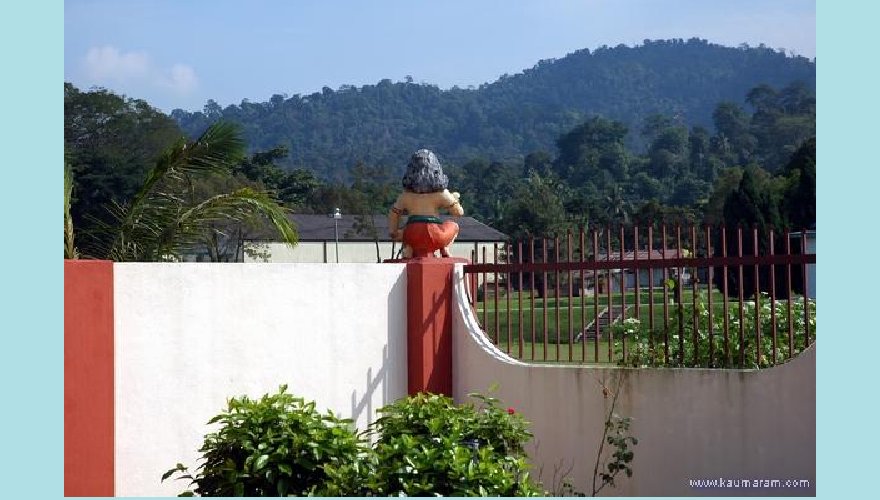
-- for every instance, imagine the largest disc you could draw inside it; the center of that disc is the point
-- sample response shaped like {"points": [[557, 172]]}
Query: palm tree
{"points": [[165, 218]]}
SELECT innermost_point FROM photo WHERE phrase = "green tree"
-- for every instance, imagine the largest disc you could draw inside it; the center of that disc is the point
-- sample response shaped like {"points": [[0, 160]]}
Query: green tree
{"points": [[727, 182], [782, 121], [668, 153], [799, 199], [734, 143], [372, 197], [753, 205], [110, 142], [593, 151], [537, 208], [164, 219]]}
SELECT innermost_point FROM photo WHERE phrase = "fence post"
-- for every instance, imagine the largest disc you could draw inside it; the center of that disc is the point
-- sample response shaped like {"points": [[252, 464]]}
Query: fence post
{"points": [[429, 324], [89, 458]]}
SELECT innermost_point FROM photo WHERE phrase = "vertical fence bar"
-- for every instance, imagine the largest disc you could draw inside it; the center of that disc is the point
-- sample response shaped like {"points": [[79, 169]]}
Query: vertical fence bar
{"points": [[725, 296], [806, 291], [508, 287], [519, 253], [679, 297], [651, 288], [623, 288], [485, 295], [694, 296], [570, 299], [741, 287], [497, 333], [471, 284], [758, 347], [790, 293], [610, 309], [710, 288], [558, 292], [544, 304], [596, 295], [773, 297], [532, 294], [665, 300], [636, 272], [583, 293]]}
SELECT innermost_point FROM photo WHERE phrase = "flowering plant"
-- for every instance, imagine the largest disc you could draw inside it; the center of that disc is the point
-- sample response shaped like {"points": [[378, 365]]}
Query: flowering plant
{"points": [[746, 346]]}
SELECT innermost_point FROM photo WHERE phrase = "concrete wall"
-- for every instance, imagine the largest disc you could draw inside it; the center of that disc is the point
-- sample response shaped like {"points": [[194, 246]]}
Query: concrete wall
{"points": [[351, 251], [187, 336], [690, 423], [88, 378]]}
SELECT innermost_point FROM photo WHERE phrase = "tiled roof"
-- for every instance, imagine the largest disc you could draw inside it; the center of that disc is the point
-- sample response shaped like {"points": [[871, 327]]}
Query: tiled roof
{"points": [[321, 228], [671, 253]]}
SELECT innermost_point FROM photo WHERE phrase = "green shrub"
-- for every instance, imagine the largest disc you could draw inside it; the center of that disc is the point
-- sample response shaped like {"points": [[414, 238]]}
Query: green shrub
{"points": [[645, 348], [426, 445], [276, 446]]}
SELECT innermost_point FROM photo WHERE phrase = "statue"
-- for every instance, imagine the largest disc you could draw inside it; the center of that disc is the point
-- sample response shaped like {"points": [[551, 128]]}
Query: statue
{"points": [[424, 194]]}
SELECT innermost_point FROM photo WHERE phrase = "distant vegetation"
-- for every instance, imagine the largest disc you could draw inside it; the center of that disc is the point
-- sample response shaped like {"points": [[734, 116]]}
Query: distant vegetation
{"points": [[670, 130], [327, 132]]}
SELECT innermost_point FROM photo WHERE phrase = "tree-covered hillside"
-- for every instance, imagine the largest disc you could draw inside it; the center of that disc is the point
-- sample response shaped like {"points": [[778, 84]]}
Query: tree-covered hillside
{"points": [[330, 131], [564, 144]]}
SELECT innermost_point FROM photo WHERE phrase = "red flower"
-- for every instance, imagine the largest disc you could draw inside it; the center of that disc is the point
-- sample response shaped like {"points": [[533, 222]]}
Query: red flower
{"points": [[511, 411]]}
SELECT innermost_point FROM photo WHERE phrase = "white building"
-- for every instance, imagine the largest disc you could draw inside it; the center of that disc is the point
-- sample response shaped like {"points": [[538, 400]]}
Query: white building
{"points": [[361, 239]]}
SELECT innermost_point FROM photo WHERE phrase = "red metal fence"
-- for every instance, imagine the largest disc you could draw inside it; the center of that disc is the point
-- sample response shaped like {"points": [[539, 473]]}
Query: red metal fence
{"points": [[649, 296]]}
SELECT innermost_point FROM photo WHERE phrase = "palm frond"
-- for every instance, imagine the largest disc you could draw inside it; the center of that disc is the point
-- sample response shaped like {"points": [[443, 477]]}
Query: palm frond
{"points": [[69, 247], [143, 225], [194, 223], [215, 151]]}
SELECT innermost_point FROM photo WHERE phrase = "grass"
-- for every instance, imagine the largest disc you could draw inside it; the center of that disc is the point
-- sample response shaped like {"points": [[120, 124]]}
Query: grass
{"points": [[555, 353], [502, 319]]}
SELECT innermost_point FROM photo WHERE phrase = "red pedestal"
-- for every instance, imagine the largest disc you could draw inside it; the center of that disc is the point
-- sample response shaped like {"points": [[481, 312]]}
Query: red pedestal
{"points": [[429, 324]]}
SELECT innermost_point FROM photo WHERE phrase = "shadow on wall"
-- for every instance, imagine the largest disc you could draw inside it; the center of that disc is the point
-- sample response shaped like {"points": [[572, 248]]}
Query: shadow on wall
{"points": [[389, 378]]}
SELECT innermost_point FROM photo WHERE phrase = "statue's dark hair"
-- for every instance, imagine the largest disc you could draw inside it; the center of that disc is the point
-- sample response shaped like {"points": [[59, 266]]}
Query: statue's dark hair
{"points": [[424, 173]]}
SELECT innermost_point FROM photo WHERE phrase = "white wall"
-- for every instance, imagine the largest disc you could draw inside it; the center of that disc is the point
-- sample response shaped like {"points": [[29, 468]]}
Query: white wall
{"points": [[188, 336], [690, 423]]}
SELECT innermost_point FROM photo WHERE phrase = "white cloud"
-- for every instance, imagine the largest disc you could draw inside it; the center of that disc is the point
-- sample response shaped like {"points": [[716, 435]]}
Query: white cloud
{"points": [[109, 65], [181, 78]]}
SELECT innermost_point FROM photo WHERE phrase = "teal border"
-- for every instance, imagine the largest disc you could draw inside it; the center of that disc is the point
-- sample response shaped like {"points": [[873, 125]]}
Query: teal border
{"points": [[847, 133], [31, 323]]}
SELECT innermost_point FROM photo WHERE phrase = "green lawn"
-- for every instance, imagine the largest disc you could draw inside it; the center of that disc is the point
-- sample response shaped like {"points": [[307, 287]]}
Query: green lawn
{"points": [[502, 323], [555, 354]]}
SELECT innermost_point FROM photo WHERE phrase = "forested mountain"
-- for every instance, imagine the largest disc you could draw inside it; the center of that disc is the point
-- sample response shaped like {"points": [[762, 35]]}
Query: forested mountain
{"points": [[669, 131], [330, 131]]}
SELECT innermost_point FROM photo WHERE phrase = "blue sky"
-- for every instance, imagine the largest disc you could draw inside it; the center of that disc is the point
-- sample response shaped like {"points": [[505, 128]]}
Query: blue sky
{"points": [[179, 54]]}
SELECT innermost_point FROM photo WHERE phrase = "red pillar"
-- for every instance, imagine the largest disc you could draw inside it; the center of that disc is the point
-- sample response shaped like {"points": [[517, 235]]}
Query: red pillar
{"points": [[88, 378], [429, 324]]}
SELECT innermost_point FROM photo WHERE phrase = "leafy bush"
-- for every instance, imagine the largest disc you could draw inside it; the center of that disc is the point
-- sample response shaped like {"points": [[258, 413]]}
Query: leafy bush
{"points": [[645, 348], [276, 446], [423, 445], [426, 445]]}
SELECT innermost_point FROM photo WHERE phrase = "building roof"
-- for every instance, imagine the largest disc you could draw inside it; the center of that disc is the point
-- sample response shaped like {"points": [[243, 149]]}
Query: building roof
{"points": [[671, 253], [319, 227]]}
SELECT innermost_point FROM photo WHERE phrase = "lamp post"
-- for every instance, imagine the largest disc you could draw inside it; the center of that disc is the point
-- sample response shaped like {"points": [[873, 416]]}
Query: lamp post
{"points": [[337, 214]]}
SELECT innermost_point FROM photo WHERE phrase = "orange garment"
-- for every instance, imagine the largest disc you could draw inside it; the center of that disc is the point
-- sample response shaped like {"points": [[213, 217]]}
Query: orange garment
{"points": [[425, 237]]}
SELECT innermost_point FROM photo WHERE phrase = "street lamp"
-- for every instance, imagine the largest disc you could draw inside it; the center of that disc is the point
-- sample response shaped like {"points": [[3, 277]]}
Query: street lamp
{"points": [[337, 214]]}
